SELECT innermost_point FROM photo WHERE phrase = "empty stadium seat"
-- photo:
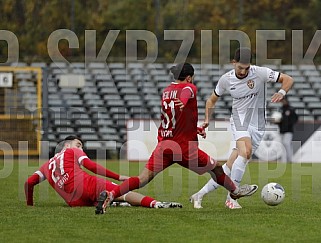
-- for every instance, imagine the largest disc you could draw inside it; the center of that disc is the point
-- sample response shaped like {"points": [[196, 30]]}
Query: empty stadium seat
{"points": [[293, 73], [128, 90], [298, 104], [307, 67], [304, 85], [313, 106], [135, 65], [114, 102], [309, 99], [116, 65], [314, 79], [306, 92], [95, 102], [89, 137], [77, 65], [38, 64], [285, 68], [104, 122], [150, 90], [100, 72], [294, 99], [135, 103]]}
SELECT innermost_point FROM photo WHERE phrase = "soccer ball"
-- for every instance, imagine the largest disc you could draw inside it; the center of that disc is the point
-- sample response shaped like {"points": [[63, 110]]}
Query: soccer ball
{"points": [[273, 194]]}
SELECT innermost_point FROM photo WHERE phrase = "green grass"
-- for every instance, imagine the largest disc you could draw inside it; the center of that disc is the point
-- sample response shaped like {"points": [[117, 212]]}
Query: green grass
{"points": [[297, 219]]}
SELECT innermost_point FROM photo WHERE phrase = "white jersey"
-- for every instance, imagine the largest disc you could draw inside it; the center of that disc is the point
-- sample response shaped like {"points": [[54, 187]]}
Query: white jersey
{"points": [[249, 95]]}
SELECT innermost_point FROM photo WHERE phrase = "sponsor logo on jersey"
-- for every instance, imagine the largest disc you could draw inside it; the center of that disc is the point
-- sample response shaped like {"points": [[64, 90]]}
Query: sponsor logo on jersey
{"points": [[250, 84], [247, 96], [272, 74]]}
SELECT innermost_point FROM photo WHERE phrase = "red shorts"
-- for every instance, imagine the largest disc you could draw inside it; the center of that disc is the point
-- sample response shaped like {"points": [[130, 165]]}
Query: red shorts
{"points": [[92, 187], [189, 156]]}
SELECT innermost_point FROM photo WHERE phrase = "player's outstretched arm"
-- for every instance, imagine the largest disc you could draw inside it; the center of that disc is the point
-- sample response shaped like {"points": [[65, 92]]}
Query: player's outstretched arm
{"points": [[210, 103], [100, 170], [29, 185]]}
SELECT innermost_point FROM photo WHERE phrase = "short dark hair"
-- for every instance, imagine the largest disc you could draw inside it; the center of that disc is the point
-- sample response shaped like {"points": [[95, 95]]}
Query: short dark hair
{"points": [[182, 70], [61, 144], [243, 55], [72, 137]]}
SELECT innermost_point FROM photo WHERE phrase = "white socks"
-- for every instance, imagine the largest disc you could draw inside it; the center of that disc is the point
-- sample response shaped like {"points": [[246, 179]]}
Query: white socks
{"points": [[236, 174], [238, 169], [212, 185]]}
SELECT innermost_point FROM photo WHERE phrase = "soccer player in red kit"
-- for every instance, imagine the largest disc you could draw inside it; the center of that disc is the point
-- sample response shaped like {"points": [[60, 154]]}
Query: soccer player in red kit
{"points": [[78, 188], [177, 141]]}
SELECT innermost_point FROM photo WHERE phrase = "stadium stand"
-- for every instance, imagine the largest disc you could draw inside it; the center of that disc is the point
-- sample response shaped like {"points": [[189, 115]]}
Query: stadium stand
{"points": [[115, 92]]}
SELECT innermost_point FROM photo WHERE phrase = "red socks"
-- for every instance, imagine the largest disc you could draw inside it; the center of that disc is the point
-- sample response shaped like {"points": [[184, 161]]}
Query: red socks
{"points": [[130, 184], [226, 182], [148, 202]]}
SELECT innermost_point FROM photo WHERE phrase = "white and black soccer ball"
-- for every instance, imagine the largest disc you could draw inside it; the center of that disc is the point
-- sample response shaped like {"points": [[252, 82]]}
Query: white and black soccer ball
{"points": [[273, 194]]}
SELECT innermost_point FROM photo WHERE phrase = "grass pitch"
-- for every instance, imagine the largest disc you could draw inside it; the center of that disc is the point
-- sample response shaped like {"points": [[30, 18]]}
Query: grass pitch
{"points": [[297, 219]]}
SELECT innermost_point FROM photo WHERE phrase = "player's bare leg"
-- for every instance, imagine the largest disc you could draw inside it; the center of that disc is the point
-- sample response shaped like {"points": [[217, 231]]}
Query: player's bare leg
{"points": [[137, 199], [244, 150], [230, 161]]}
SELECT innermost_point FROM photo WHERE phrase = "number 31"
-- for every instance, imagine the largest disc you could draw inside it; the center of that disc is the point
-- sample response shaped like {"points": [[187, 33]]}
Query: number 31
{"points": [[166, 120]]}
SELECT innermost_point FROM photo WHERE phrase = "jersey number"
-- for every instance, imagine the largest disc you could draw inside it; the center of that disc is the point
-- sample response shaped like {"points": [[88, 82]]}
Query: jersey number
{"points": [[167, 111], [53, 166]]}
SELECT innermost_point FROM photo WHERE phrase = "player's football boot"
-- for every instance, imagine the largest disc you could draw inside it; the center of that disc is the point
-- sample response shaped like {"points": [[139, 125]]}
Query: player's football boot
{"points": [[232, 204], [120, 204], [104, 200], [244, 191], [196, 199], [168, 205]]}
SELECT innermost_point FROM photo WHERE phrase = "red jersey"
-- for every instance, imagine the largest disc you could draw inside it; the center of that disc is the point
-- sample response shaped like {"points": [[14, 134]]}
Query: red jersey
{"points": [[177, 133], [70, 181], [64, 173], [176, 124]]}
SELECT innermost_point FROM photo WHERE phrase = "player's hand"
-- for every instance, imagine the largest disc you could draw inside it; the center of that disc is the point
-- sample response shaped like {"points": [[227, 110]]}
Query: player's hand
{"points": [[205, 124], [179, 103], [201, 131], [277, 97], [123, 178]]}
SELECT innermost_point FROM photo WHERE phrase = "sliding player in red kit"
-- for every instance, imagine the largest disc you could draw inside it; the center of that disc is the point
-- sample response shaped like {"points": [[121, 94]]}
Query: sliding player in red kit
{"points": [[177, 141], [78, 188]]}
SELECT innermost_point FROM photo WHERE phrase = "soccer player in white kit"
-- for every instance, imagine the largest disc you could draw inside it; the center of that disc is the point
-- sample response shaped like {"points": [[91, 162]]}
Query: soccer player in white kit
{"points": [[246, 84]]}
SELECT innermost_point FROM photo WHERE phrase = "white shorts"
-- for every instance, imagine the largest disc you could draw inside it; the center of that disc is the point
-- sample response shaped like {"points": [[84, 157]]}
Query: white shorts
{"points": [[251, 132]]}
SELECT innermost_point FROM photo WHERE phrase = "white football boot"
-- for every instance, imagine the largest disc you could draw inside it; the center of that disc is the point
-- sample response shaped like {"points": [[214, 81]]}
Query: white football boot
{"points": [[196, 199], [231, 203], [244, 191], [168, 205]]}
